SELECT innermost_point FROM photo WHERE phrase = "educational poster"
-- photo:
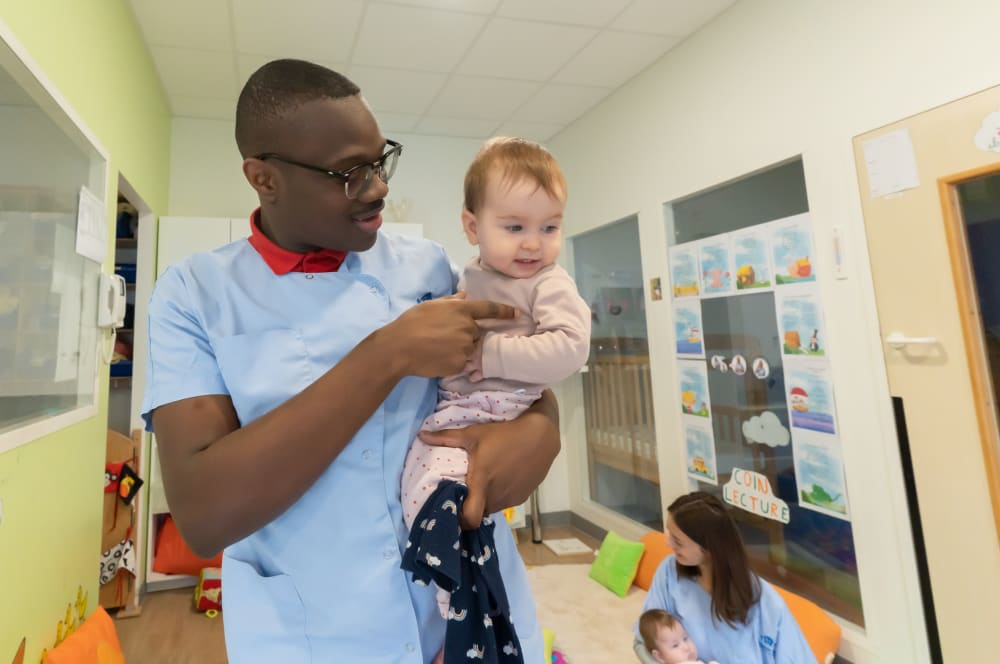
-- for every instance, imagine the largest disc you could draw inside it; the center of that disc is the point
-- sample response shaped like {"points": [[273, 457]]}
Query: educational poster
{"points": [[810, 395], [687, 328], [694, 388], [684, 270], [716, 267], [700, 445], [750, 257], [819, 473], [800, 321], [792, 250]]}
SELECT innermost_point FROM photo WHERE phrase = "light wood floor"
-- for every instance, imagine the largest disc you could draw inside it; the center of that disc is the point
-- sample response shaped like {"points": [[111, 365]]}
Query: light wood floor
{"points": [[170, 631]]}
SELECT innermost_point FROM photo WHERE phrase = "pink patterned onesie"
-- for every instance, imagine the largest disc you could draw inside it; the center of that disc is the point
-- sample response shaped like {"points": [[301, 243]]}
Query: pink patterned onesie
{"points": [[546, 343]]}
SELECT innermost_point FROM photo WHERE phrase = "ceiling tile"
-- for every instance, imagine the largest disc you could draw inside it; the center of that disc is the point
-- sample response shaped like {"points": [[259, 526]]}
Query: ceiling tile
{"points": [[482, 98], [534, 131], [320, 30], [391, 123], [414, 37], [397, 90], [439, 126], [203, 107], [541, 49], [677, 18], [200, 24], [467, 6], [613, 58], [248, 63], [195, 73], [596, 14], [560, 104]]}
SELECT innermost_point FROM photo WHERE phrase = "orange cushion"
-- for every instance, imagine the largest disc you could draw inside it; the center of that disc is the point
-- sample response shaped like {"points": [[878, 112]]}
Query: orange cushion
{"points": [[656, 550], [174, 556], [821, 631], [93, 642]]}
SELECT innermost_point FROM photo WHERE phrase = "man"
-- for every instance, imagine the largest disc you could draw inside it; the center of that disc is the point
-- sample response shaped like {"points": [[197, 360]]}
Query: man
{"points": [[288, 375]]}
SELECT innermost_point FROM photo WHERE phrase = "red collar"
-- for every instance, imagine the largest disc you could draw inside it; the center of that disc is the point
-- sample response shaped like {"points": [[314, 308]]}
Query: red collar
{"points": [[282, 261]]}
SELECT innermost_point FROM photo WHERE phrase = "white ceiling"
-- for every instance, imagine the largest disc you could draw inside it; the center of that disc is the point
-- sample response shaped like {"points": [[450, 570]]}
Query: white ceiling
{"points": [[471, 68]]}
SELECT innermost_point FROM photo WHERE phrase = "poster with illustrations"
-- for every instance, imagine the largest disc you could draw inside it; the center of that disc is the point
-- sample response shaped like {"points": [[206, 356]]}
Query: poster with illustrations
{"points": [[687, 328], [684, 270], [750, 258], [792, 250], [716, 267], [694, 388], [800, 321], [700, 445], [810, 395], [819, 474]]}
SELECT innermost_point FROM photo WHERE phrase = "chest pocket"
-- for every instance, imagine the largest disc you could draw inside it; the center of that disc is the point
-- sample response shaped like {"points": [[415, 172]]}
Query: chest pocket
{"points": [[264, 369]]}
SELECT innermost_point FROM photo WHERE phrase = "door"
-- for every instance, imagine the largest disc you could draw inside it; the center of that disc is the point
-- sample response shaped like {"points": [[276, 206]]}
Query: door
{"points": [[622, 469], [931, 292]]}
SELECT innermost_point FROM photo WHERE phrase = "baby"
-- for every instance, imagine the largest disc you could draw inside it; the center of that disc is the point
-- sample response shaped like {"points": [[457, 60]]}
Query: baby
{"points": [[666, 639]]}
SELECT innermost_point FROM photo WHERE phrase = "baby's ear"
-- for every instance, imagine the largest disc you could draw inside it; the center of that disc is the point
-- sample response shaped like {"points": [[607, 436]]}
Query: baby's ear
{"points": [[469, 226]]}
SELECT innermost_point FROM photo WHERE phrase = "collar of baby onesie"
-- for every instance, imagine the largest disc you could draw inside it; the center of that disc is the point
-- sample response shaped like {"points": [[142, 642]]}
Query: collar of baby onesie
{"points": [[282, 261]]}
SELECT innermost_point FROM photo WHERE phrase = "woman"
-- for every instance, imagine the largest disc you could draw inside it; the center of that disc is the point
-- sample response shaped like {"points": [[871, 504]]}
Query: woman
{"points": [[731, 614]]}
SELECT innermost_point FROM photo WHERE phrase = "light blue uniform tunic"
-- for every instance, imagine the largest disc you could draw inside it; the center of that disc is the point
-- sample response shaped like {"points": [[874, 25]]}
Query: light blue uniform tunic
{"points": [[771, 635], [321, 583]]}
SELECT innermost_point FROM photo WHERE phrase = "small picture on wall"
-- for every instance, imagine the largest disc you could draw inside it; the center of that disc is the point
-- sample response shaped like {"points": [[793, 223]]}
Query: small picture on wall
{"points": [[800, 318], [694, 388], [700, 447], [819, 473], [753, 268], [684, 270], [716, 267], [810, 395], [687, 328], [792, 250]]}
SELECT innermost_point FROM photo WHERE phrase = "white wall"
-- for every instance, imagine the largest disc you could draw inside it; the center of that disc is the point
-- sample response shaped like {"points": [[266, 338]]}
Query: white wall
{"points": [[768, 80]]}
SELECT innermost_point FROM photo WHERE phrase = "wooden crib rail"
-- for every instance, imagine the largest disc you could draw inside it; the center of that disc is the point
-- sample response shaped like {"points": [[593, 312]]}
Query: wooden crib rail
{"points": [[619, 415]]}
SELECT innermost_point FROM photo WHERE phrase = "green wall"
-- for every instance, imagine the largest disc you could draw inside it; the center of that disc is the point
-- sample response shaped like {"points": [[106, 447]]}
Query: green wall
{"points": [[93, 53]]}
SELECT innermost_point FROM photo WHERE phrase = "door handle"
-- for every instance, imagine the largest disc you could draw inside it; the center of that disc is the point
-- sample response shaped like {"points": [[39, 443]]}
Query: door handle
{"points": [[899, 340]]}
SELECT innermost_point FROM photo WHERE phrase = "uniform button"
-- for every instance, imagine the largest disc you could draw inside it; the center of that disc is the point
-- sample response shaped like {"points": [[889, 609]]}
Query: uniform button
{"points": [[389, 553], [373, 290], [366, 455], [309, 276], [410, 647]]}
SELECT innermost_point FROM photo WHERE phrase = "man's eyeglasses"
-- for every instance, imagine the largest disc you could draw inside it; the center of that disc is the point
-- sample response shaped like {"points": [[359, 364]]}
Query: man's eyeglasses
{"points": [[357, 178]]}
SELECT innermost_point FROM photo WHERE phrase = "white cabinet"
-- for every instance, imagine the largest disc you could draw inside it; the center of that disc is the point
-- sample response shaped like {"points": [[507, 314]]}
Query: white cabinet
{"points": [[179, 237]]}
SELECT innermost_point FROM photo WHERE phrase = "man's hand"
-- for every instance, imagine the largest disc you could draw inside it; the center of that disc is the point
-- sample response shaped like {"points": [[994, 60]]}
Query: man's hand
{"points": [[438, 337], [507, 460]]}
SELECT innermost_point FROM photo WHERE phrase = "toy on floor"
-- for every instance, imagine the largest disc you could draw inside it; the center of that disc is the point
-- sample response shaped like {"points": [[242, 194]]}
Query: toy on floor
{"points": [[208, 592], [557, 658]]}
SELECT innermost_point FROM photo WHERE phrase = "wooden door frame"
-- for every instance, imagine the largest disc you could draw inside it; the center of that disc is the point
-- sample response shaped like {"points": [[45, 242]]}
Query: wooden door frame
{"points": [[972, 326]]}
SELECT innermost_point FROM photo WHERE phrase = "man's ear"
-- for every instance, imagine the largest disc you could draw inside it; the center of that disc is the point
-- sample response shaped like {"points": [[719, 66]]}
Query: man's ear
{"points": [[469, 225], [261, 177]]}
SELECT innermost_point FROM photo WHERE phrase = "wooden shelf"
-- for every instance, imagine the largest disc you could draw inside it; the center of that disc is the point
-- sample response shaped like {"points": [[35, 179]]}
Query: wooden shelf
{"points": [[126, 242], [120, 381]]}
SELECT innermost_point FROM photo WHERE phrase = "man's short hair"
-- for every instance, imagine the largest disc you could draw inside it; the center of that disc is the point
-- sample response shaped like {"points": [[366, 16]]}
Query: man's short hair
{"points": [[277, 89]]}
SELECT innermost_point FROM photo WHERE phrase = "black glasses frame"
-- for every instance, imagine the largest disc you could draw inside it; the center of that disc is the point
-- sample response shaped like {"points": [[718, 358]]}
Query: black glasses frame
{"points": [[378, 165]]}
